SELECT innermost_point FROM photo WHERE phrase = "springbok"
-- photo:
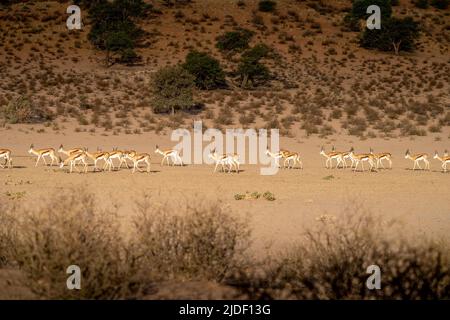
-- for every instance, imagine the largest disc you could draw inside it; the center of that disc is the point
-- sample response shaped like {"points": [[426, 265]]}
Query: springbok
{"points": [[418, 157], [382, 156], [74, 159], [330, 156], [42, 153], [224, 160], [169, 154], [97, 156], [291, 156], [6, 154], [345, 155], [275, 156], [361, 158], [69, 151], [137, 158], [445, 159], [120, 155]]}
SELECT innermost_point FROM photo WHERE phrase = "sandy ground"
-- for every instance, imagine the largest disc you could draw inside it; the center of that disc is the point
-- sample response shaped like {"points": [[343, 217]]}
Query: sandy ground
{"points": [[417, 198]]}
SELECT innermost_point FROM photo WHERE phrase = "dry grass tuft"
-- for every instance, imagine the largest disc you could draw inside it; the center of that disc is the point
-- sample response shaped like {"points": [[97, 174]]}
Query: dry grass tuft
{"points": [[204, 242], [332, 262]]}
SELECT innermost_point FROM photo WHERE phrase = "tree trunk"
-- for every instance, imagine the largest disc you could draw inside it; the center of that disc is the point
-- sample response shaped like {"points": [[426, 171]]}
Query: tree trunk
{"points": [[396, 46], [244, 81]]}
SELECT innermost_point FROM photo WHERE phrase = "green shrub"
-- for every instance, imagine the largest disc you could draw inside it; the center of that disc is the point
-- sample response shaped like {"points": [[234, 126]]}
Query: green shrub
{"points": [[239, 196], [22, 110], [9, 2], [172, 89], [269, 196], [207, 70], [257, 52], [267, 5], [423, 4], [440, 4], [234, 41], [121, 44]]}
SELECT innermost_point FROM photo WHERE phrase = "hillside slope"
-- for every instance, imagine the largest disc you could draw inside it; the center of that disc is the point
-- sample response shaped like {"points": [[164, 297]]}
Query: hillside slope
{"points": [[324, 83]]}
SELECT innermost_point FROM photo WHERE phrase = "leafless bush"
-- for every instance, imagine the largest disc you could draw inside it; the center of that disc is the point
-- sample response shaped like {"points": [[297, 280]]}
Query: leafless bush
{"points": [[22, 110], [72, 230], [7, 232], [199, 241], [332, 263], [203, 241]]}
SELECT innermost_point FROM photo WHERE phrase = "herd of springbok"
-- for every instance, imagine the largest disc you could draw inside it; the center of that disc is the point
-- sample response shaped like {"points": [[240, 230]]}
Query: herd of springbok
{"points": [[228, 162], [375, 160]]}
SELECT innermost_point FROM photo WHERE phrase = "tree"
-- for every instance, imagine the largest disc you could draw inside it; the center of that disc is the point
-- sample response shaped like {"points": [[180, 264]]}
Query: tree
{"points": [[395, 34], [423, 4], [234, 41], [359, 8], [87, 3], [207, 71], [267, 5], [250, 68], [172, 89], [359, 12], [114, 30], [119, 46], [171, 3], [440, 4]]}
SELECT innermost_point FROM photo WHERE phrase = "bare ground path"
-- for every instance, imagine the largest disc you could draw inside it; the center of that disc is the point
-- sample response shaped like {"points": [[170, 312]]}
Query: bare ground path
{"points": [[417, 198]]}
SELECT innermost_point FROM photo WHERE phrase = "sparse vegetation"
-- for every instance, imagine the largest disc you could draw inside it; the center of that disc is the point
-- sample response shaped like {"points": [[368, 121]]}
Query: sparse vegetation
{"points": [[331, 264], [269, 196], [23, 110], [204, 241], [315, 71]]}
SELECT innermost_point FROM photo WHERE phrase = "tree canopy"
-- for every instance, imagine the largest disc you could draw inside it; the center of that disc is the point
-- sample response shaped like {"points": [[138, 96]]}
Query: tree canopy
{"points": [[207, 71], [172, 89], [114, 29], [395, 34]]}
